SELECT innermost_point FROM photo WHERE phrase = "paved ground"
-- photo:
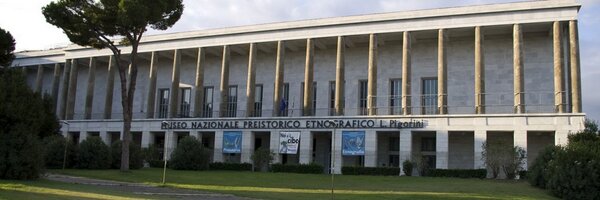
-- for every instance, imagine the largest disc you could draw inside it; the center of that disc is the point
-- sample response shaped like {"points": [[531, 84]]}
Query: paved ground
{"points": [[142, 189]]}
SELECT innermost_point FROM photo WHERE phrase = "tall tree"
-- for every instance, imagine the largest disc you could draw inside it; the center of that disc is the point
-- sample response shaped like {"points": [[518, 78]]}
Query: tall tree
{"points": [[7, 46], [94, 22]]}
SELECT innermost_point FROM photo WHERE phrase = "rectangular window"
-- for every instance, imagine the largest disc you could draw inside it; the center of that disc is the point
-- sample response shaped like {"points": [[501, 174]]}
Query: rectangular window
{"points": [[258, 100], [429, 96], [208, 102], [394, 144], [331, 98], [186, 102], [362, 97], [314, 99], [231, 102], [285, 94], [396, 97], [428, 144], [163, 103]]}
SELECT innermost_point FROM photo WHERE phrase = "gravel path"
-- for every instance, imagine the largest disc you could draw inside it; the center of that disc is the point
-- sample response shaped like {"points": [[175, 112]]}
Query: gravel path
{"points": [[143, 189]]}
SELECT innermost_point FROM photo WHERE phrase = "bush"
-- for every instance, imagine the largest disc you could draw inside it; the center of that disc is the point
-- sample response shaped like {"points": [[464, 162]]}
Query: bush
{"points": [[93, 154], [230, 166], [135, 155], [153, 156], [458, 173], [189, 155], [262, 157], [375, 171], [55, 151], [539, 169], [311, 168], [513, 162], [407, 167]]}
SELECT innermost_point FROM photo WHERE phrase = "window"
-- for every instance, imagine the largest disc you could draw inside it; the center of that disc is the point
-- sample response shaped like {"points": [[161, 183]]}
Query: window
{"points": [[285, 94], [258, 100], [394, 144], [428, 144], [395, 97], [314, 100], [186, 102], [163, 103], [331, 98], [231, 109], [362, 97], [208, 102], [429, 96]]}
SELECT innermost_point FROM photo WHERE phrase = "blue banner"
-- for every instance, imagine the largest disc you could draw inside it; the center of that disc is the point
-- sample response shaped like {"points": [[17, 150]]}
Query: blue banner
{"points": [[232, 142], [353, 143]]}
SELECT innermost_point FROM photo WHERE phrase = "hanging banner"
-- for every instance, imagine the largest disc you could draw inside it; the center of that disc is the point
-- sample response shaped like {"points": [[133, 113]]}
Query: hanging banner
{"points": [[232, 142], [353, 143], [289, 142]]}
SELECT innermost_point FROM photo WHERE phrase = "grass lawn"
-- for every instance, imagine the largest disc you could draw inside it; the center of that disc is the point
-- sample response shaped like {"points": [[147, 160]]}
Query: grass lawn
{"points": [[45, 189], [310, 186]]}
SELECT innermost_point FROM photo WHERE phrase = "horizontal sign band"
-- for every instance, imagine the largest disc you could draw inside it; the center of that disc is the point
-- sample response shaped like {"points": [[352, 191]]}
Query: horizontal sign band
{"points": [[293, 124]]}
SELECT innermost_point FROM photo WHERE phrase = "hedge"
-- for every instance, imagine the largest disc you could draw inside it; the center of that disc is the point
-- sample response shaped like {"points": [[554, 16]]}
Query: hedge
{"points": [[230, 166], [377, 171], [312, 168], [93, 154], [189, 155], [458, 173], [136, 161]]}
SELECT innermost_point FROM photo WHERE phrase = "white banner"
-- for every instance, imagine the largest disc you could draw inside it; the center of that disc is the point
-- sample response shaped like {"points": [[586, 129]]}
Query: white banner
{"points": [[289, 142]]}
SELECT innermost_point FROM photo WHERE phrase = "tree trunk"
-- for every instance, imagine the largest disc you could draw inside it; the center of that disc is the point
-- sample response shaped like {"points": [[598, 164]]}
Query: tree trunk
{"points": [[127, 92]]}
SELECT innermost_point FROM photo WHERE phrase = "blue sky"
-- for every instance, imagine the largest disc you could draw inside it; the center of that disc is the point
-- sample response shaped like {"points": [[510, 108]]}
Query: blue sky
{"points": [[24, 20]]}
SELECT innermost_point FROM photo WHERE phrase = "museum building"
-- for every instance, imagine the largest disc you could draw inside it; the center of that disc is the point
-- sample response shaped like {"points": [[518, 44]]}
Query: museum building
{"points": [[427, 84]]}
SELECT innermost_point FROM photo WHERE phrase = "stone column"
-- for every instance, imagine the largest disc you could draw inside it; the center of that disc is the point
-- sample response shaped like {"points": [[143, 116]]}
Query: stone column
{"points": [[561, 137], [371, 148], [479, 72], [170, 143], [110, 83], [72, 92], [520, 140], [519, 97], [406, 73], [574, 67], [480, 138], [55, 86], [442, 97], [308, 79], [39, 79], [559, 91], [105, 138], [89, 97], [441, 149], [224, 88], [340, 79], [372, 76], [65, 90], [247, 147], [336, 152], [279, 77], [274, 145], [82, 136], [199, 84], [174, 98], [305, 150], [218, 147], [146, 139], [405, 149], [251, 82], [152, 86]]}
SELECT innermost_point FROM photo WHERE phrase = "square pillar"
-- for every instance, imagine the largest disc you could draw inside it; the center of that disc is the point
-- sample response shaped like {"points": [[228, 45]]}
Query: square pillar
{"points": [[274, 146], [305, 147], [520, 140], [441, 149], [336, 152], [170, 143], [480, 137], [106, 139], [561, 137], [405, 147], [370, 148], [146, 138], [218, 150], [247, 146], [82, 136]]}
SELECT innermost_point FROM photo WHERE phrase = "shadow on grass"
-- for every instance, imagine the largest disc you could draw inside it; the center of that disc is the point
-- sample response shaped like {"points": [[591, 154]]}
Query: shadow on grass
{"points": [[17, 189]]}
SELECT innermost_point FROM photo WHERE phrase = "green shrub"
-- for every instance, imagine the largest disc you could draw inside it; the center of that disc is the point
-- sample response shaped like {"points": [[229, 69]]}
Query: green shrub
{"points": [[513, 162], [55, 152], [230, 166], [135, 155], [538, 171], [575, 171], [375, 171], [407, 167], [458, 173], [153, 156], [262, 157], [311, 168], [189, 155], [93, 154]]}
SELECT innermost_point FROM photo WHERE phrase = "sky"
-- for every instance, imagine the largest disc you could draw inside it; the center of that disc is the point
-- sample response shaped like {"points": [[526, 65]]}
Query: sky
{"points": [[24, 20]]}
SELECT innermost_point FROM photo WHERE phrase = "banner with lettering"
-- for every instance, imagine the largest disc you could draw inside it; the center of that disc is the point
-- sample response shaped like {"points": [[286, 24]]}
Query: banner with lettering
{"points": [[353, 143], [289, 142], [232, 142]]}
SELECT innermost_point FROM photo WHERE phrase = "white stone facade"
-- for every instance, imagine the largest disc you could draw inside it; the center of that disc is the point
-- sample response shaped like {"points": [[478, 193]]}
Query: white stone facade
{"points": [[454, 130]]}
